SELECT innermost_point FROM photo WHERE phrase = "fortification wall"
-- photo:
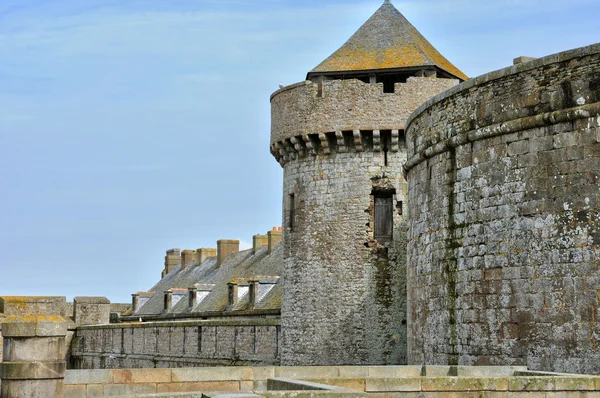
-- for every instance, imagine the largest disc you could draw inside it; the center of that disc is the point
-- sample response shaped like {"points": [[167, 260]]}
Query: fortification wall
{"points": [[177, 344], [504, 204]]}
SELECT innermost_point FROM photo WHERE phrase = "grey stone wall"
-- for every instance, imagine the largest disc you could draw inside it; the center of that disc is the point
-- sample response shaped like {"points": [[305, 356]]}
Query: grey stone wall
{"points": [[91, 310], [177, 344], [504, 209], [344, 293], [296, 110], [343, 302]]}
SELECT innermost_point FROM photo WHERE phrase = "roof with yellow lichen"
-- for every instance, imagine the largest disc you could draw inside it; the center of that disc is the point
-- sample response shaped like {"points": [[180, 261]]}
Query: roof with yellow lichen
{"points": [[386, 41]]}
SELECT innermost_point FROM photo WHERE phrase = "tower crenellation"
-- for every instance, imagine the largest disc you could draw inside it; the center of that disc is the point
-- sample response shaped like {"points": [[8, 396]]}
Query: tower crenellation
{"points": [[348, 116]]}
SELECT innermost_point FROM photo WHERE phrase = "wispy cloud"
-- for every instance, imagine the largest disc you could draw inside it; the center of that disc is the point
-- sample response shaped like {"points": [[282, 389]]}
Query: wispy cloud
{"points": [[145, 123]]}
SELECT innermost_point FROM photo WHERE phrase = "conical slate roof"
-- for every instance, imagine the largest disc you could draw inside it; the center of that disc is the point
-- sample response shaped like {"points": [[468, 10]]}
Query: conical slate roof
{"points": [[386, 41]]}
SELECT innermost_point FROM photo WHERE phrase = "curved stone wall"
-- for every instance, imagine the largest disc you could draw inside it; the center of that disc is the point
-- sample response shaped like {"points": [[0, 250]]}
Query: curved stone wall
{"points": [[345, 105], [504, 209]]}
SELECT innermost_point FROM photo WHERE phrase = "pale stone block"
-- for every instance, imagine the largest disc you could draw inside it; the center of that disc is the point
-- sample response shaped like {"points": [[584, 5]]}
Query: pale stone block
{"points": [[263, 372], [211, 374], [88, 377], [306, 371], [75, 392], [199, 386], [129, 389], [151, 375], [121, 376], [246, 386], [531, 383], [353, 371], [351, 383], [395, 384], [95, 391], [574, 383]]}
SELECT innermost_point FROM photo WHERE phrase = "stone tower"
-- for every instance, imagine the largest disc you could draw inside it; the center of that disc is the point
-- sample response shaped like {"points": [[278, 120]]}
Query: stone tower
{"points": [[340, 138], [504, 237]]}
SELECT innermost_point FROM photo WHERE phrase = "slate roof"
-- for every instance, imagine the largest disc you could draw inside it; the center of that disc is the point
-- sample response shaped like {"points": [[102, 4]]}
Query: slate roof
{"points": [[386, 41], [243, 264]]}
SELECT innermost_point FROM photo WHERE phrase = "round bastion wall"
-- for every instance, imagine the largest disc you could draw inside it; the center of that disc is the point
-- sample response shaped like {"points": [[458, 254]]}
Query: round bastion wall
{"points": [[341, 144], [503, 179]]}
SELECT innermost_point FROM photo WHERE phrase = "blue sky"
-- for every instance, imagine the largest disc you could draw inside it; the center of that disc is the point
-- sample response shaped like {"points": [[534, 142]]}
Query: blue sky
{"points": [[131, 127]]}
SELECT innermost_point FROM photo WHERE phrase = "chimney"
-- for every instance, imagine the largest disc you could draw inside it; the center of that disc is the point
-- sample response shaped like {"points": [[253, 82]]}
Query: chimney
{"points": [[192, 297], [204, 254], [135, 303], [232, 295], [253, 294], [172, 259], [188, 257], [225, 248], [259, 241], [274, 238], [168, 301]]}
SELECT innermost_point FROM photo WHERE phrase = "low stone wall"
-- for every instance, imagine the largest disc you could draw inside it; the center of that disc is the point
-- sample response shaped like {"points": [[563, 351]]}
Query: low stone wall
{"points": [[338, 381], [97, 383], [177, 344]]}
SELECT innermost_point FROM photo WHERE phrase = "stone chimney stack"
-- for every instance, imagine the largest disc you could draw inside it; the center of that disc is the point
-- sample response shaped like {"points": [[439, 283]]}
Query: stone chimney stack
{"points": [[259, 241], [172, 260], [204, 254], [274, 238], [225, 248], [188, 257], [192, 297]]}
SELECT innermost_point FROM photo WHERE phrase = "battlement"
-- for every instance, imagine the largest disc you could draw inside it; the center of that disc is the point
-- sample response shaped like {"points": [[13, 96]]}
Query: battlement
{"points": [[558, 87], [344, 115]]}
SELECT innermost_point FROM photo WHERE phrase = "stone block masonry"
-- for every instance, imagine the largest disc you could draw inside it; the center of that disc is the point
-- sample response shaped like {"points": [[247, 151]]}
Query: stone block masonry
{"points": [[342, 150], [34, 352], [504, 209], [331, 381], [347, 105], [177, 344], [91, 310], [343, 301]]}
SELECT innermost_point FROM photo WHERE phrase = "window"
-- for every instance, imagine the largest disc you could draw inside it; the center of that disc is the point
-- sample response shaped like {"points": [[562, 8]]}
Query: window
{"points": [[383, 217], [386, 143], [292, 213]]}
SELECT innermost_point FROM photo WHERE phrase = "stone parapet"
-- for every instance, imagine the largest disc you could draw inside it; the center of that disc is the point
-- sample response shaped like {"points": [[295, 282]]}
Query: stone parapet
{"points": [[33, 305], [349, 116], [547, 90], [91, 310], [34, 351], [177, 344]]}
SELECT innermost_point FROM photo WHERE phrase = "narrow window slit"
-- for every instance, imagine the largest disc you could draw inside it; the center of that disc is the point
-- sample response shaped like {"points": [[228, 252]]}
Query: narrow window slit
{"points": [[292, 212]]}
